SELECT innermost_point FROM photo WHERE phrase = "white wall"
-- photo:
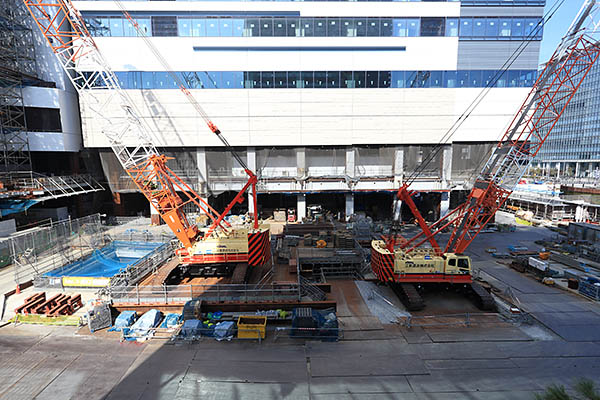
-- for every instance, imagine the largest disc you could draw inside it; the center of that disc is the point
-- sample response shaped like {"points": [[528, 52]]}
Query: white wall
{"points": [[70, 137], [308, 9], [422, 53], [313, 117]]}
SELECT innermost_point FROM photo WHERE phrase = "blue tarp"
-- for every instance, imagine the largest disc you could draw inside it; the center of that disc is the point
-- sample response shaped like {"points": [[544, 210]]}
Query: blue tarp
{"points": [[171, 320], [108, 261], [124, 320], [191, 327], [8, 206], [224, 330]]}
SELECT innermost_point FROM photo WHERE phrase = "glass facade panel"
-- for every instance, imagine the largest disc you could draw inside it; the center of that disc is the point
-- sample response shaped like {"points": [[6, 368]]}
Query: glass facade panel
{"points": [[346, 79], [452, 27], [413, 27], [225, 27], [307, 79], [334, 27], [320, 80], [432, 27], [184, 26]]}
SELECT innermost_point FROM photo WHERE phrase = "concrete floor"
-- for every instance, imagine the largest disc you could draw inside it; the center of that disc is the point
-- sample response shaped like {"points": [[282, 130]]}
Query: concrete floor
{"points": [[375, 360]]}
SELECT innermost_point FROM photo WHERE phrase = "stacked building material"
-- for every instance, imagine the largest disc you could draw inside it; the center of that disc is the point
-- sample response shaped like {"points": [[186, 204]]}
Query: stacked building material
{"points": [[60, 304]]}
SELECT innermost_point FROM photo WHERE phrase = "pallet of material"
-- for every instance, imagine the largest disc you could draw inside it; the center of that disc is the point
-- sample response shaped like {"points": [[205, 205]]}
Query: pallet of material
{"points": [[60, 304]]}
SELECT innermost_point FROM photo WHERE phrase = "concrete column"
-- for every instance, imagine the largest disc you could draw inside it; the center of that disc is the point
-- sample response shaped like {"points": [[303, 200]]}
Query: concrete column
{"points": [[447, 165], [577, 169], [350, 164], [557, 170], [154, 216], [398, 166], [589, 171], [444, 204], [301, 161], [202, 173], [301, 206], [349, 205], [251, 161]]}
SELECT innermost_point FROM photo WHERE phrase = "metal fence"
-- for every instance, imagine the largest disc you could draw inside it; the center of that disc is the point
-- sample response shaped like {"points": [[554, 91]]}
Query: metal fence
{"points": [[43, 249], [134, 273], [168, 294]]}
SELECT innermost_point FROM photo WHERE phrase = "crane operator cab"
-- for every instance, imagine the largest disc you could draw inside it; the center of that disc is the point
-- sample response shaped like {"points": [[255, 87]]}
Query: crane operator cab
{"points": [[457, 264]]}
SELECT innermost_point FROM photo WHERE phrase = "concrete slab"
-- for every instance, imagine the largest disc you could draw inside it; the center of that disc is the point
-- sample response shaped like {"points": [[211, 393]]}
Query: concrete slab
{"points": [[359, 385], [477, 334], [379, 365], [470, 364], [210, 390]]}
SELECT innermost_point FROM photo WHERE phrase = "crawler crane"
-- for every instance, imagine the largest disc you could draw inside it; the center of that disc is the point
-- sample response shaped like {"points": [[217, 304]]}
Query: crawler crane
{"points": [[407, 266], [218, 247]]}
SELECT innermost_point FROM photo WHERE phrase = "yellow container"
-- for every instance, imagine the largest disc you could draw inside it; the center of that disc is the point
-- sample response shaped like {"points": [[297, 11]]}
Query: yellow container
{"points": [[252, 327]]}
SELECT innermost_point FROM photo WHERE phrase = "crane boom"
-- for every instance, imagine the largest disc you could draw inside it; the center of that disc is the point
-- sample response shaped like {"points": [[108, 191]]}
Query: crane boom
{"points": [[556, 85], [65, 31]]}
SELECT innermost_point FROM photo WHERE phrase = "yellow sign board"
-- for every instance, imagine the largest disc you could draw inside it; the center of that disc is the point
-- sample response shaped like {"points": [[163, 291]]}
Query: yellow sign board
{"points": [[83, 281]]}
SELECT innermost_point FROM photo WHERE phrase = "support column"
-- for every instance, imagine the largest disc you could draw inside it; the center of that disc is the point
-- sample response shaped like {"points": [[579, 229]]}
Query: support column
{"points": [[301, 206], [589, 171], [349, 205], [350, 164], [444, 204], [398, 166], [558, 170], [447, 166], [202, 173], [154, 216], [301, 161], [251, 161], [577, 168]]}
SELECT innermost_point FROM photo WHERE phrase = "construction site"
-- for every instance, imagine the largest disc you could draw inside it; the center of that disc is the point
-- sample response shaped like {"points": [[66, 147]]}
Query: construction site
{"points": [[392, 227]]}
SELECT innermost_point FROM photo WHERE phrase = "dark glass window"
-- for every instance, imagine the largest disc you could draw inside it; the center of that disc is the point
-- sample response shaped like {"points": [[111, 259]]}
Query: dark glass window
{"points": [[279, 27], [266, 26], [359, 79], [252, 27], [372, 79], [252, 79], [346, 79], [384, 79], [334, 26], [293, 79], [320, 27], [307, 79], [348, 28], [308, 28], [373, 26], [41, 119], [267, 80], [320, 79], [164, 26], [280, 78], [361, 26], [293, 27], [432, 26], [386, 27], [333, 79]]}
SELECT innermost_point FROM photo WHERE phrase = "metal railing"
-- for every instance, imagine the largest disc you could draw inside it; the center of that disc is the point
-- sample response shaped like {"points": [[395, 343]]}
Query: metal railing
{"points": [[168, 294], [134, 273], [332, 334]]}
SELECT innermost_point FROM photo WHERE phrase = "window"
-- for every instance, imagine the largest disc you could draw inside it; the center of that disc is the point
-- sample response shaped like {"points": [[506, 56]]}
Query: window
{"points": [[372, 79], [452, 27], [293, 26], [266, 26], [252, 27], [280, 77], [359, 79], [238, 27], [279, 27], [334, 27], [504, 27], [320, 79], [164, 26], [39, 119], [400, 27], [293, 79], [148, 80], [198, 27], [413, 27], [463, 263], [466, 27], [333, 79], [348, 28], [232, 80], [308, 28], [384, 79], [267, 80], [212, 27], [346, 79], [398, 79], [307, 79], [116, 26], [373, 26], [517, 27], [320, 28], [386, 27], [225, 27], [361, 26], [435, 79], [452, 262], [432, 27], [184, 26], [252, 80], [491, 28], [479, 27]]}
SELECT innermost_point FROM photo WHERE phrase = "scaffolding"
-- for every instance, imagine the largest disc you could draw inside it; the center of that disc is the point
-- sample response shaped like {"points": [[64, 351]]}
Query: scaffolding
{"points": [[17, 64]]}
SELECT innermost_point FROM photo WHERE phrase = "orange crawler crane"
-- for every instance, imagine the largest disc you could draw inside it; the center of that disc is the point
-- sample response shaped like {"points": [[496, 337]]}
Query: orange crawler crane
{"points": [[409, 267], [99, 90]]}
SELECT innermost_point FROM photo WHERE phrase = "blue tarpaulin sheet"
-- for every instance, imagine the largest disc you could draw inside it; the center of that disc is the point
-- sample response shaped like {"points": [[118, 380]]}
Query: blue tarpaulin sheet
{"points": [[171, 320], [108, 261], [124, 320]]}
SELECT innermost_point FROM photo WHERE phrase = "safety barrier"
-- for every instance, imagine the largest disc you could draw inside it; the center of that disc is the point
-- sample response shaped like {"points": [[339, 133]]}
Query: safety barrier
{"points": [[168, 294], [149, 263]]}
